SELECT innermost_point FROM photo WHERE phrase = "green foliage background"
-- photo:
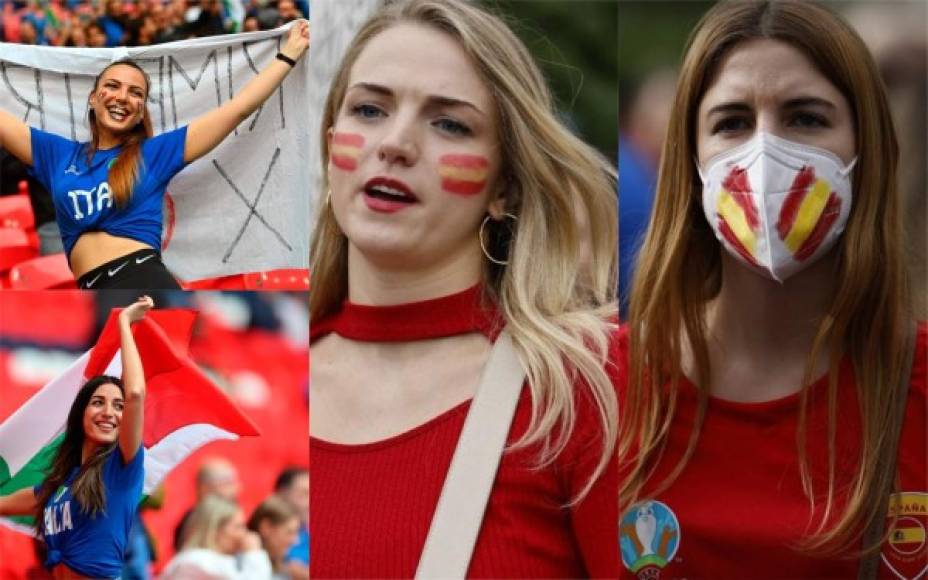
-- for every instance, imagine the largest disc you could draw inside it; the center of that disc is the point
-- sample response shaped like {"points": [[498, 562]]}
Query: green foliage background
{"points": [[575, 43]]}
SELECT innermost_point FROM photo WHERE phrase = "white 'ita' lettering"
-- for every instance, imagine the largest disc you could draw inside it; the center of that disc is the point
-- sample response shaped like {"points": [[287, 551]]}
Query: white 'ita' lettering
{"points": [[85, 198], [58, 518]]}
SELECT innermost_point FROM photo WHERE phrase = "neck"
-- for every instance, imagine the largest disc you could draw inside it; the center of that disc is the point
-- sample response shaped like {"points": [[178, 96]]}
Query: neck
{"points": [[87, 450], [106, 140], [755, 314], [376, 285]]}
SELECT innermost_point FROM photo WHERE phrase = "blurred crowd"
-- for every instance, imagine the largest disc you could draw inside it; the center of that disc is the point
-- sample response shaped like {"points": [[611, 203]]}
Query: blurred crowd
{"points": [[216, 538], [107, 23]]}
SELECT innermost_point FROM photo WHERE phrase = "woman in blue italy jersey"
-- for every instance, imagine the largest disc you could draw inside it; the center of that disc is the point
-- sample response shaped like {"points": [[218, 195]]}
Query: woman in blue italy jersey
{"points": [[108, 193], [85, 506]]}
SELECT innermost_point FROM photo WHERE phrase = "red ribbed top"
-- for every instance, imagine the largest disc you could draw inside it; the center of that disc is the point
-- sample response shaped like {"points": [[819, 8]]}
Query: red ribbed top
{"points": [[372, 504]]}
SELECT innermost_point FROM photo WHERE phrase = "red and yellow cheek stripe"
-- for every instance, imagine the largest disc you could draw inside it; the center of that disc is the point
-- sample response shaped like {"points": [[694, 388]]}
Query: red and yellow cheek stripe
{"points": [[345, 150], [808, 214], [738, 217], [463, 174]]}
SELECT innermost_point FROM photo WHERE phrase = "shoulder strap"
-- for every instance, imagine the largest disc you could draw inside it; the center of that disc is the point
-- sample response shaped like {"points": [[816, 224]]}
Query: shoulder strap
{"points": [[459, 513], [870, 562]]}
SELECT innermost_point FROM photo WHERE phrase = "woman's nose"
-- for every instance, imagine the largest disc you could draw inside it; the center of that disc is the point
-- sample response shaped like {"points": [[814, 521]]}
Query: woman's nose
{"points": [[400, 144]]}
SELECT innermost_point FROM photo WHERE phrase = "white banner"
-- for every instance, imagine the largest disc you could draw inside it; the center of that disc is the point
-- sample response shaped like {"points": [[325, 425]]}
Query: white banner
{"points": [[242, 208]]}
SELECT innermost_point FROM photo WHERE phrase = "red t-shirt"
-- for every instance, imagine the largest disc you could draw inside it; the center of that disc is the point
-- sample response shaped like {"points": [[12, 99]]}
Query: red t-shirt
{"points": [[738, 508], [372, 504]]}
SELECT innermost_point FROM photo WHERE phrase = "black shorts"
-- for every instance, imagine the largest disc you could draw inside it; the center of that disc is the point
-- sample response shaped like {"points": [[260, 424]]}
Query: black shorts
{"points": [[141, 270]]}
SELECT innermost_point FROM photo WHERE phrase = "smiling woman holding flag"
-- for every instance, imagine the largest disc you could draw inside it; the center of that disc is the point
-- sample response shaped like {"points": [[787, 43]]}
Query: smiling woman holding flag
{"points": [[84, 508]]}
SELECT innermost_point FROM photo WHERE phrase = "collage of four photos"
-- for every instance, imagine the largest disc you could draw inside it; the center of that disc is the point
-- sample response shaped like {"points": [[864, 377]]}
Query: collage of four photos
{"points": [[463, 289]]}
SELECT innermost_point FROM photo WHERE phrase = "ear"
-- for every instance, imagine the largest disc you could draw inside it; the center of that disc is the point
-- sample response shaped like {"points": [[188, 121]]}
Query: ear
{"points": [[497, 205], [328, 134]]}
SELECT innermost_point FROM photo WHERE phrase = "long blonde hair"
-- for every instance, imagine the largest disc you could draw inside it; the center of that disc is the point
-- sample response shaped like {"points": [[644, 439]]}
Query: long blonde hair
{"points": [[556, 307], [679, 270]]}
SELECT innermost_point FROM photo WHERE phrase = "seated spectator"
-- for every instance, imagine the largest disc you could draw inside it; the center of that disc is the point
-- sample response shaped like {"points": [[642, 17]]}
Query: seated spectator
{"points": [[219, 546], [278, 525], [293, 487], [216, 476]]}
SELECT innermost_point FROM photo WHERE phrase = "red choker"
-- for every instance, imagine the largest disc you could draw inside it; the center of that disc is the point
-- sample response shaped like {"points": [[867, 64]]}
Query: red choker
{"points": [[436, 318]]}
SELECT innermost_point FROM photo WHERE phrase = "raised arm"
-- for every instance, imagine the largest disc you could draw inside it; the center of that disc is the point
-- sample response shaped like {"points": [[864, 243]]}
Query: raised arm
{"points": [[21, 503], [15, 137], [133, 380], [208, 131]]}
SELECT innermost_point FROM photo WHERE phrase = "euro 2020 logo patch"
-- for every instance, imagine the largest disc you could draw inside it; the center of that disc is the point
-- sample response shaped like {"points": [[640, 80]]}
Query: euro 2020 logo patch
{"points": [[649, 536], [906, 550]]}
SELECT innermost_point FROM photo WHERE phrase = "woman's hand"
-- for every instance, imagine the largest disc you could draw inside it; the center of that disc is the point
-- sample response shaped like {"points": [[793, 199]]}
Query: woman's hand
{"points": [[137, 311], [208, 131], [298, 41], [251, 541]]}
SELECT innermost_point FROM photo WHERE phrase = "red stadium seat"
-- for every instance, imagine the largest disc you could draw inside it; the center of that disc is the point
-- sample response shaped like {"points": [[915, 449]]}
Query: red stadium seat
{"points": [[274, 280], [44, 273], [233, 282], [294, 280], [15, 246], [16, 212]]}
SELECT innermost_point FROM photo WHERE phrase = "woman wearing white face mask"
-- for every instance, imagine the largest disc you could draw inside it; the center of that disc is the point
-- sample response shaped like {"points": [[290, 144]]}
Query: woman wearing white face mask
{"points": [[770, 338]]}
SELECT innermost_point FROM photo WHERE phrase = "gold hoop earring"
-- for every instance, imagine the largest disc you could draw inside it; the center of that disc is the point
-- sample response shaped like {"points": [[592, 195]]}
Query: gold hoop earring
{"points": [[483, 246]]}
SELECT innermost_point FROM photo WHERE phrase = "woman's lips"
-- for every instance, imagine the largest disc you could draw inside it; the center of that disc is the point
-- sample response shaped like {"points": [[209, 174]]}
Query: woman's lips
{"points": [[388, 195]]}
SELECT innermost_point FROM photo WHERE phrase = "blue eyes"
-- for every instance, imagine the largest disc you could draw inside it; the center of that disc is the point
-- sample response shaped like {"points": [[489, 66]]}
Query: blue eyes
{"points": [[447, 125], [366, 111], [452, 126]]}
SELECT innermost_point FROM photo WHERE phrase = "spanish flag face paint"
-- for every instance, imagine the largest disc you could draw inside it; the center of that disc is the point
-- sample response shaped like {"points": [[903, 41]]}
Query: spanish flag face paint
{"points": [[776, 205], [345, 149], [463, 174]]}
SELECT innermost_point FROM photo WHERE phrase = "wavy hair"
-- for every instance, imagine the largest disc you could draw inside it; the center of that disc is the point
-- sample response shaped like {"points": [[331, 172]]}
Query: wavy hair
{"points": [[679, 270], [124, 173], [558, 307]]}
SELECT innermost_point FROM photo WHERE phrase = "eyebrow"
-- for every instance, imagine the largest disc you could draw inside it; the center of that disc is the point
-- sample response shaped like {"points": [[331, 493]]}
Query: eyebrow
{"points": [[798, 102], [807, 102], [118, 82], [439, 100], [102, 398]]}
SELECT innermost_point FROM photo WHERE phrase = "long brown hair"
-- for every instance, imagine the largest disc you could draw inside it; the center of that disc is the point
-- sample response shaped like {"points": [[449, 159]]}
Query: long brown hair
{"points": [[124, 173], [558, 309], [679, 270], [88, 488]]}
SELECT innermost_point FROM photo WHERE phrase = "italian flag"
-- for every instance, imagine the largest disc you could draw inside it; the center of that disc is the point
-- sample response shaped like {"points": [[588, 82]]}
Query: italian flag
{"points": [[184, 410]]}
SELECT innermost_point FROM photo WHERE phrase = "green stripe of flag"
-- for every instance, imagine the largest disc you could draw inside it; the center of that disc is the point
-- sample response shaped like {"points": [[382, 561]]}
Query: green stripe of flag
{"points": [[32, 474]]}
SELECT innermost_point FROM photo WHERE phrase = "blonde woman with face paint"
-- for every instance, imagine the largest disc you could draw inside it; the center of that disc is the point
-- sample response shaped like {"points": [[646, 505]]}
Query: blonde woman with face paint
{"points": [[452, 214], [108, 193], [770, 342]]}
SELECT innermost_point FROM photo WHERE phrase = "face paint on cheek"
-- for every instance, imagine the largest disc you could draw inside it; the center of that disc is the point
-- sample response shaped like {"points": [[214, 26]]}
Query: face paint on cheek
{"points": [[463, 174], [345, 150]]}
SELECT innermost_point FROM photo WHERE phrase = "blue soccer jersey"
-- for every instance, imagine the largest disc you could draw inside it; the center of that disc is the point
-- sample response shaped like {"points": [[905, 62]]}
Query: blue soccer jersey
{"points": [[82, 195], [95, 546]]}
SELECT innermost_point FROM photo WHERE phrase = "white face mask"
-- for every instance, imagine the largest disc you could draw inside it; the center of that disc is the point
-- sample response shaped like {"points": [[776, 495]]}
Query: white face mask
{"points": [[776, 205]]}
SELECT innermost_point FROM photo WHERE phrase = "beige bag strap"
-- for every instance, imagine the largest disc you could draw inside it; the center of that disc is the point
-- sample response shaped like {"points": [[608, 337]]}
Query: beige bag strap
{"points": [[459, 513], [870, 563]]}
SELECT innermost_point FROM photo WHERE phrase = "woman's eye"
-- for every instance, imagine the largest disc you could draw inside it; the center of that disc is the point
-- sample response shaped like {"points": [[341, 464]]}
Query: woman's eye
{"points": [[731, 125], [452, 126], [808, 121], [366, 111]]}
